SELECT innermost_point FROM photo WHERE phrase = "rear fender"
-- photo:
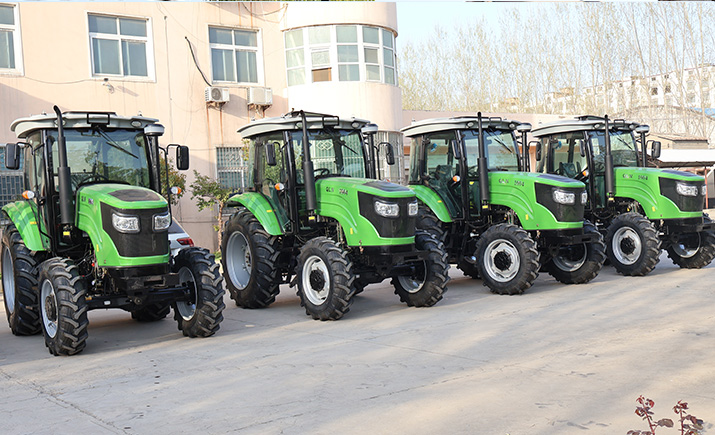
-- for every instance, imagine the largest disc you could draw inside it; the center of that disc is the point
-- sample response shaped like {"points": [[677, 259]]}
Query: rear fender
{"points": [[23, 215], [259, 206]]}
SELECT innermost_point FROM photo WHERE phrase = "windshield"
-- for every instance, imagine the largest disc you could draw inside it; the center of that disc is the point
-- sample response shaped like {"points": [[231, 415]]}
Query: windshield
{"points": [[501, 149], [623, 148], [334, 153], [95, 155]]}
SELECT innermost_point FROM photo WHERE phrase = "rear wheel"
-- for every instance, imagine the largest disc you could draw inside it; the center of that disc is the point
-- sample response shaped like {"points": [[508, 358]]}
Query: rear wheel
{"points": [[325, 279], [578, 264], [19, 283], [151, 313], [201, 315], [63, 307], [427, 284], [507, 259], [249, 256], [693, 250], [632, 244]]}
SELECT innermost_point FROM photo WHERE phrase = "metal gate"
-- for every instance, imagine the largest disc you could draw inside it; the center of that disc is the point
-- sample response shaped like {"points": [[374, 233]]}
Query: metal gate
{"points": [[12, 183]]}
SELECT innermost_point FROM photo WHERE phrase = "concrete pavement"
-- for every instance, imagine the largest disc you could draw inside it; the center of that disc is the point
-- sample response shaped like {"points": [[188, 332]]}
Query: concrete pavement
{"points": [[556, 360]]}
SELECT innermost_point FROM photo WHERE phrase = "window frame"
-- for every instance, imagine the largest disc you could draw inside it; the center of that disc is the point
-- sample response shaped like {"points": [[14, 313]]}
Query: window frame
{"points": [[258, 49], [148, 41], [16, 42]]}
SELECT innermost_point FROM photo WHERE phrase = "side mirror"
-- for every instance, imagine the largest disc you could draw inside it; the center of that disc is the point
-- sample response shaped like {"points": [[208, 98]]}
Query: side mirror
{"points": [[12, 156], [390, 153], [182, 157], [655, 153], [538, 151], [582, 150], [270, 153], [455, 149]]}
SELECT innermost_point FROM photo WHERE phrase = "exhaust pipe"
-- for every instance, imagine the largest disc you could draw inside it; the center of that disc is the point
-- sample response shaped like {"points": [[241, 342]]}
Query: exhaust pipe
{"points": [[610, 175], [63, 174], [308, 169], [482, 162]]}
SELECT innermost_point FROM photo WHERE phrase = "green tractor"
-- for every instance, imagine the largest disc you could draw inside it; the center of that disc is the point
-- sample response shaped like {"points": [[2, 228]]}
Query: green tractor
{"points": [[497, 222], [641, 210], [314, 212], [92, 232]]}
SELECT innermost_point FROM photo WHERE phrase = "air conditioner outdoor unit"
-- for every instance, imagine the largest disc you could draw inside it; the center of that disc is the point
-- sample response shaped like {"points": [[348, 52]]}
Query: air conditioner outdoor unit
{"points": [[216, 95], [259, 96]]}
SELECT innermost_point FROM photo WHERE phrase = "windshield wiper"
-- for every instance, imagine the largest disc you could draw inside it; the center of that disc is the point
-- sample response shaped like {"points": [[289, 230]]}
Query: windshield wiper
{"points": [[495, 138]]}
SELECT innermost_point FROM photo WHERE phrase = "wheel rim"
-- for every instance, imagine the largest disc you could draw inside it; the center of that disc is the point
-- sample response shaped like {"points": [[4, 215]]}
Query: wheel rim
{"points": [[413, 283], [316, 280], [683, 249], [8, 280], [502, 260], [627, 246], [48, 305], [238, 260], [571, 258], [187, 309]]}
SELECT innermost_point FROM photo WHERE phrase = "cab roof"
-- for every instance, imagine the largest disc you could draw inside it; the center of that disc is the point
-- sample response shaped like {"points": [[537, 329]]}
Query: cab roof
{"points": [[454, 123], [292, 120], [23, 127], [580, 123]]}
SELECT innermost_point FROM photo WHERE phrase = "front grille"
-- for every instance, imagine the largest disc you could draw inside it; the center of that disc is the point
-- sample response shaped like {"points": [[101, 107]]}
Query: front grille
{"points": [[401, 226], [562, 212], [684, 203], [145, 243]]}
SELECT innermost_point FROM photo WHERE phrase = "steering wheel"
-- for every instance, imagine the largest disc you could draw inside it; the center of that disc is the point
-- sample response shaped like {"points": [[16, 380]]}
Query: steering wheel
{"points": [[472, 171], [321, 171], [92, 178]]}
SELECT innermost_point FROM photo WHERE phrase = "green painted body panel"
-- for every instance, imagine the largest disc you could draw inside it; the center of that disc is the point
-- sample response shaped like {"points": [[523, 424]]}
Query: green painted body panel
{"points": [[432, 200], [88, 218], [516, 191], [259, 206], [642, 185], [23, 215], [337, 198]]}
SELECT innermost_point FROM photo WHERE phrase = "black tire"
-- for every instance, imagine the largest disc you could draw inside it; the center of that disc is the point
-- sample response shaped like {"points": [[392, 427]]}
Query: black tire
{"points": [[632, 244], [427, 221], [694, 250], [470, 269], [579, 264], [63, 307], [202, 316], [151, 313], [508, 260], [249, 255], [18, 266], [429, 282], [326, 283]]}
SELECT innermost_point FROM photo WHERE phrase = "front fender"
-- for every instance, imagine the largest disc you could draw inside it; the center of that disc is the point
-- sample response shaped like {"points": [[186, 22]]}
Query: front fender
{"points": [[261, 209], [23, 215]]}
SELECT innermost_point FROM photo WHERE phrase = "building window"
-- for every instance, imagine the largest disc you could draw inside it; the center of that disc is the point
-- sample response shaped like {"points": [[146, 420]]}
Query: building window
{"points": [[230, 167], [9, 39], [340, 53], [654, 91], [235, 55], [120, 46]]}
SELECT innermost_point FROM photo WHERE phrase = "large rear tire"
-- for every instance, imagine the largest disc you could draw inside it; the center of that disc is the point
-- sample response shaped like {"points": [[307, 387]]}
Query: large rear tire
{"points": [[579, 264], [325, 279], [507, 259], [202, 315], [249, 255], [694, 250], [632, 244], [428, 283], [19, 283], [63, 307]]}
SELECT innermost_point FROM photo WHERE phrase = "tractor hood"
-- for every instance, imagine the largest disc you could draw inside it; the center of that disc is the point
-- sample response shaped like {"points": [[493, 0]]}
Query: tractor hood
{"points": [[663, 193], [343, 185], [120, 196]]}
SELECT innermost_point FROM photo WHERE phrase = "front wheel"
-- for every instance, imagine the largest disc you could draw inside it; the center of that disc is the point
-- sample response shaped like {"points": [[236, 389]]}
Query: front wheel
{"points": [[325, 279], [579, 264], [426, 285], [201, 315], [507, 259], [693, 250], [632, 244], [19, 280], [63, 307]]}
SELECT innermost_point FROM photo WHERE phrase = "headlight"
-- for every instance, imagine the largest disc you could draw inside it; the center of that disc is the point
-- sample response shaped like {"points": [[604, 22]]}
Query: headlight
{"points": [[564, 197], [387, 209], [704, 190], [412, 209], [584, 197], [125, 224], [686, 189], [162, 222]]}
